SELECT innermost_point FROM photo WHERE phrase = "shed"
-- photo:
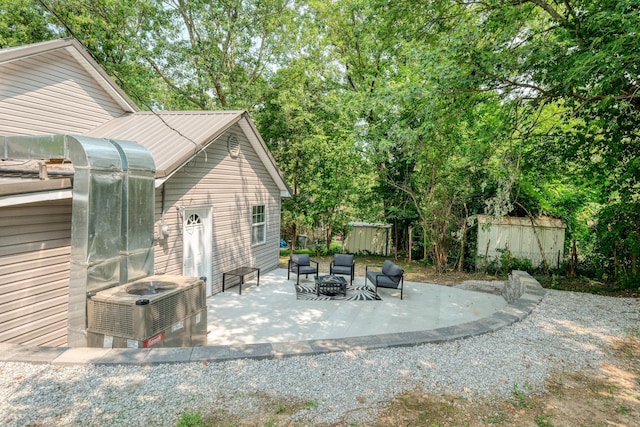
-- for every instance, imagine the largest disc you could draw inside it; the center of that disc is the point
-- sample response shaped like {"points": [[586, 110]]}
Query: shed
{"points": [[496, 235], [366, 237], [216, 193]]}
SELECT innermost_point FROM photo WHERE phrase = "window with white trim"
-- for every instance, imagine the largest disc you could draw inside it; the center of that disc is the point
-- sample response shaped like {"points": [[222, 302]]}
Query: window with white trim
{"points": [[258, 225]]}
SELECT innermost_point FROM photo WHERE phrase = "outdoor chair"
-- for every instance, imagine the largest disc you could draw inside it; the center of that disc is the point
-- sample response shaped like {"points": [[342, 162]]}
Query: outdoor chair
{"points": [[391, 276], [301, 264], [343, 264]]}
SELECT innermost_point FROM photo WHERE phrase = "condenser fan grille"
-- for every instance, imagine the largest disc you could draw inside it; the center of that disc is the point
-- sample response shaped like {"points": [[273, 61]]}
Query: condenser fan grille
{"points": [[109, 318], [170, 310]]}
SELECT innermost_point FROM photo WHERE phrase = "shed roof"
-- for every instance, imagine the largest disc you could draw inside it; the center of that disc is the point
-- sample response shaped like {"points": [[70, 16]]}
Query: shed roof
{"points": [[369, 224], [520, 221]]}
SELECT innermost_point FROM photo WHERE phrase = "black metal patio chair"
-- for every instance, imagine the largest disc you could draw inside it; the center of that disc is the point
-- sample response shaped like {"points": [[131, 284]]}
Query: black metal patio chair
{"points": [[343, 264], [301, 264], [391, 276]]}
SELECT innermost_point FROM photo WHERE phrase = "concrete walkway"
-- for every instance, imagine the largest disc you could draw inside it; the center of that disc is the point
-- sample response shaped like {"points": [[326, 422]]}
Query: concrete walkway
{"points": [[267, 321]]}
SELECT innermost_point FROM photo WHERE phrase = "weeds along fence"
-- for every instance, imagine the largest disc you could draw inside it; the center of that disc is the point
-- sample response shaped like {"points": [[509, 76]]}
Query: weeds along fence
{"points": [[514, 238]]}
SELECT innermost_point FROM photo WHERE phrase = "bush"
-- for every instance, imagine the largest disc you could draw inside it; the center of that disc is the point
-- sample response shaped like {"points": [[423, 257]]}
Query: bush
{"points": [[287, 252]]}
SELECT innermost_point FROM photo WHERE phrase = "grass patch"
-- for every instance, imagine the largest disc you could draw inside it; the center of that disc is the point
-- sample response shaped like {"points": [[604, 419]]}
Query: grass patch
{"points": [[191, 419], [585, 285], [520, 398], [267, 412]]}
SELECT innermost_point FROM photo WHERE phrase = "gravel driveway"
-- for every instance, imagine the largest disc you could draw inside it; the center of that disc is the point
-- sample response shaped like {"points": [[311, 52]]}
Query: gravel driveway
{"points": [[566, 332]]}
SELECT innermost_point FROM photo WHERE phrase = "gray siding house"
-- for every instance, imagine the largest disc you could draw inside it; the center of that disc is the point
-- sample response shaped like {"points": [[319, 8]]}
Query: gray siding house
{"points": [[217, 188]]}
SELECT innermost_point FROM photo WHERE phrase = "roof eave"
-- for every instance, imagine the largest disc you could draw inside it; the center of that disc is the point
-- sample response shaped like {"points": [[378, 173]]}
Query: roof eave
{"points": [[37, 197], [268, 160]]}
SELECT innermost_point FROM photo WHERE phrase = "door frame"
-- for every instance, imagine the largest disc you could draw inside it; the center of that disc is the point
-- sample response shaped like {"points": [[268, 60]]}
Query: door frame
{"points": [[206, 215]]}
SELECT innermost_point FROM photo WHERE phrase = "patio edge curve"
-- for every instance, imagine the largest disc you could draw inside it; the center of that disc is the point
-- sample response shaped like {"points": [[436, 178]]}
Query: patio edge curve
{"points": [[532, 294]]}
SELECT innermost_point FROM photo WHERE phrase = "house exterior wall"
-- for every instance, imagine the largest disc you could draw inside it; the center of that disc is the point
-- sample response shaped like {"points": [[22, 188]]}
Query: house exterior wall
{"points": [[34, 260], [517, 234], [51, 94], [230, 186]]}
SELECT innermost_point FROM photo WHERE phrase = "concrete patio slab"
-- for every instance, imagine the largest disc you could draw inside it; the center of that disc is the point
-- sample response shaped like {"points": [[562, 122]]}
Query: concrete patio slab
{"points": [[268, 322], [271, 313]]}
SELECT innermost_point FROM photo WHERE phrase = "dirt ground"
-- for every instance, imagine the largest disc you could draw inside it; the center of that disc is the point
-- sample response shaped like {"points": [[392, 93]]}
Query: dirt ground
{"points": [[414, 271], [590, 399], [609, 396]]}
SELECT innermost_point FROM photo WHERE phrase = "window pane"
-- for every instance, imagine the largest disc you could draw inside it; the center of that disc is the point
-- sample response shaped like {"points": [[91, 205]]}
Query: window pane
{"points": [[257, 235], [258, 214], [258, 225]]}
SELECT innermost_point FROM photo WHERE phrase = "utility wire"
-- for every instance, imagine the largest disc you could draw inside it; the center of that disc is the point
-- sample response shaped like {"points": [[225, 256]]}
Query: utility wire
{"points": [[121, 82]]}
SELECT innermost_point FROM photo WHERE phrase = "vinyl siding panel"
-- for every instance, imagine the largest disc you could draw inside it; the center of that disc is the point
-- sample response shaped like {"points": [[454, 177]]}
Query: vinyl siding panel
{"points": [[34, 284], [51, 94], [231, 186]]}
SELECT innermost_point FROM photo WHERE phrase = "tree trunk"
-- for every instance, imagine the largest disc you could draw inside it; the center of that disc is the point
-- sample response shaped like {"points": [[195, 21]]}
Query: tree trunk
{"points": [[328, 236], [485, 261], [463, 239], [294, 237], [396, 241], [615, 261], [573, 260], [424, 240]]}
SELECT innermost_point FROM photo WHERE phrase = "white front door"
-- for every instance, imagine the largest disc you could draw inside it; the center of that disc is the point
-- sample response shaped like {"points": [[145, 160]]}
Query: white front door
{"points": [[196, 243]]}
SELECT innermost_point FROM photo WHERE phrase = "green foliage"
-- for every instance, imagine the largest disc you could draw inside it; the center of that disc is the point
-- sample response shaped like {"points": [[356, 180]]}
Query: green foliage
{"points": [[25, 22], [520, 397], [618, 240], [543, 421], [310, 405], [509, 263], [419, 114], [191, 419]]}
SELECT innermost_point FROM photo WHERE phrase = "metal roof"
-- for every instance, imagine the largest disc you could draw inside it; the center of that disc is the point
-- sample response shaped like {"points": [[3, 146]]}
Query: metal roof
{"points": [[176, 137], [172, 137], [22, 180], [368, 224]]}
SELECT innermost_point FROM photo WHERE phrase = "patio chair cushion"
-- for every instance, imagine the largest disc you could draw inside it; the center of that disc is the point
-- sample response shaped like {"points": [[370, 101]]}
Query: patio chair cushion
{"points": [[300, 259], [391, 270], [304, 269], [343, 260], [302, 264], [342, 264], [391, 276], [382, 280], [341, 269]]}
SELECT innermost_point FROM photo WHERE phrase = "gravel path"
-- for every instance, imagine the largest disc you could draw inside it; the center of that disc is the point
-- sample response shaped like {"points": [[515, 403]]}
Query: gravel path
{"points": [[566, 332]]}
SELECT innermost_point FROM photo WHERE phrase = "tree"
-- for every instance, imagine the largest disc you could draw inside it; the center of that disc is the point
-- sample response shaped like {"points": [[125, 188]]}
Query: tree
{"points": [[304, 125], [24, 22], [217, 54], [579, 56]]}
